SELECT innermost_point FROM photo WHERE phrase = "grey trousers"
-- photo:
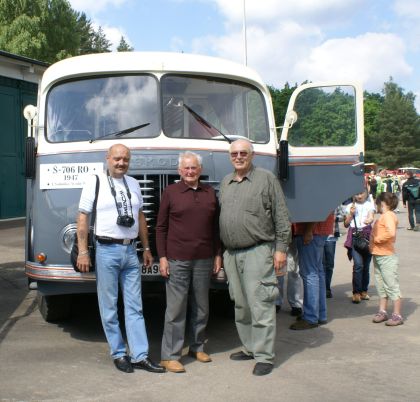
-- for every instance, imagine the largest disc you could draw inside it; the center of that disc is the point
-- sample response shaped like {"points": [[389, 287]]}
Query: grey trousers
{"points": [[253, 287], [188, 281]]}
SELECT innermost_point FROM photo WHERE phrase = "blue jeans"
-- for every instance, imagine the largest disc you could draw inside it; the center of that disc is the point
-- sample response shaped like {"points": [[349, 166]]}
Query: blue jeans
{"points": [[360, 271], [328, 261], [313, 277], [118, 264]]}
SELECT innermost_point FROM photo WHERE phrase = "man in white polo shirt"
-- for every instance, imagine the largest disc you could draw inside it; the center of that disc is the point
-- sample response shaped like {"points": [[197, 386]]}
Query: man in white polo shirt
{"points": [[119, 220]]}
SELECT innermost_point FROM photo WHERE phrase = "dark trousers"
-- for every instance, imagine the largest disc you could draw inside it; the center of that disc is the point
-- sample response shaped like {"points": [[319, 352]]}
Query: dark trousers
{"points": [[188, 281], [413, 210], [328, 261], [360, 271]]}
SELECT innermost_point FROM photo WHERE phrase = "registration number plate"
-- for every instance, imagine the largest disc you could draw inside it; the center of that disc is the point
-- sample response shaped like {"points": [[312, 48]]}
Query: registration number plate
{"points": [[152, 270]]}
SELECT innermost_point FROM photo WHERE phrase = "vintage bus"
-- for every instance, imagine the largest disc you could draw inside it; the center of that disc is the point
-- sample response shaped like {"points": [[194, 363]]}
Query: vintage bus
{"points": [[158, 105]]}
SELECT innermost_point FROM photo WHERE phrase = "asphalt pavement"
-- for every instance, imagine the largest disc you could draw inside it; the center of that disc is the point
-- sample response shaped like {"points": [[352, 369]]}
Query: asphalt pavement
{"points": [[348, 359]]}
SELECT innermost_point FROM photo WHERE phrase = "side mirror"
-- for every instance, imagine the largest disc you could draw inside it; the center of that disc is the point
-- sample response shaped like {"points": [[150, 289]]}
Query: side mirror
{"points": [[283, 160]]}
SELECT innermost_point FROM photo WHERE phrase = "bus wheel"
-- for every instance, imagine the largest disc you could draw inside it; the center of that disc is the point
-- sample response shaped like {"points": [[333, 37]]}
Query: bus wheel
{"points": [[54, 308]]}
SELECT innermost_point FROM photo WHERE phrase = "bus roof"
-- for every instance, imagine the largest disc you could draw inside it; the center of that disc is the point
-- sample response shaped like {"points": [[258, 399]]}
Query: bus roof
{"points": [[134, 62]]}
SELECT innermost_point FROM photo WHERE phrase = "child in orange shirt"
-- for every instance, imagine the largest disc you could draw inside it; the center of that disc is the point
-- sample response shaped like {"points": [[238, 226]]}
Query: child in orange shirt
{"points": [[385, 260]]}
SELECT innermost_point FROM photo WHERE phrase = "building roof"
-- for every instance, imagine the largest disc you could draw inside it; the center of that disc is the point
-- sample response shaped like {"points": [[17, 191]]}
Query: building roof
{"points": [[21, 67]]}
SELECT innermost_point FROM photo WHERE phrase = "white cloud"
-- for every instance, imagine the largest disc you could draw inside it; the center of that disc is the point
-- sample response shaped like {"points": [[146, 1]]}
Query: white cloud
{"points": [[407, 8], [269, 10], [94, 6], [371, 58]]}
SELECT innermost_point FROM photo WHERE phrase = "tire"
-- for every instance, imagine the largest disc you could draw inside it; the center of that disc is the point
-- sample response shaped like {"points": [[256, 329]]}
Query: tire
{"points": [[54, 308]]}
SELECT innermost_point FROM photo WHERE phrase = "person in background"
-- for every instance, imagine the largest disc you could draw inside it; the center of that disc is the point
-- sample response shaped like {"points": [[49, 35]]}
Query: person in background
{"points": [[359, 216], [329, 254], [310, 241], [119, 220], [382, 243], [411, 200], [188, 244], [294, 283], [255, 229]]}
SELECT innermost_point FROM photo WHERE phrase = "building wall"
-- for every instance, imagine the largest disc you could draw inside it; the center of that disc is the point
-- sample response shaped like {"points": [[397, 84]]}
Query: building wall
{"points": [[19, 77]]}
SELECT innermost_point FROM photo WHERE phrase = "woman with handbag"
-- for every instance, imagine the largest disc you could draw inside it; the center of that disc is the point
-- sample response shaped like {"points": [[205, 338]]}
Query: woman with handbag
{"points": [[359, 218]]}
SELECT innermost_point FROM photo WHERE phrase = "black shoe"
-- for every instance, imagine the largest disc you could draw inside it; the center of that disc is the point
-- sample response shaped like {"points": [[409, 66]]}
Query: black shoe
{"points": [[322, 322], [302, 325], [262, 369], [240, 356], [123, 364], [329, 294], [148, 365], [296, 311]]}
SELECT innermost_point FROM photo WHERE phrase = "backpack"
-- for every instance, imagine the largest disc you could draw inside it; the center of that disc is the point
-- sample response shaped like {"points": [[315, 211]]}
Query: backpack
{"points": [[413, 189]]}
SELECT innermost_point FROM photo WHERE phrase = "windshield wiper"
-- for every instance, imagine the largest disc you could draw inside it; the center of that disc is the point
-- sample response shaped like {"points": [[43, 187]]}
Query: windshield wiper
{"points": [[205, 123], [120, 133]]}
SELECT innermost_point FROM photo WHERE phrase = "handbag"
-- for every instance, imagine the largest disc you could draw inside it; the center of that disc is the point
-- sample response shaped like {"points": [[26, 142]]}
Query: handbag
{"points": [[91, 237], [360, 242]]}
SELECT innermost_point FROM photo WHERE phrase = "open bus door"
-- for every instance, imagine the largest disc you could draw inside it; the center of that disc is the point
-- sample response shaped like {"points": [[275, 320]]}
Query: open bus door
{"points": [[321, 149]]}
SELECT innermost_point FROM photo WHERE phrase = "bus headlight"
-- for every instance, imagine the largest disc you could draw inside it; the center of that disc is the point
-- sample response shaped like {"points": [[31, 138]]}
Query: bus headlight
{"points": [[68, 234]]}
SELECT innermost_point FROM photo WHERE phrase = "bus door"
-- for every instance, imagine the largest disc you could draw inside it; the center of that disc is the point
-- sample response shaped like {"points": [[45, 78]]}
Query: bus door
{"points": [[321, 149]]}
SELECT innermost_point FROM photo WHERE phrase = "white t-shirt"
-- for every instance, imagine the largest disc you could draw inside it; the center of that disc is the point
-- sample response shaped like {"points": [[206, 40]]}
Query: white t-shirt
{"points": [[362, 213], [106, 210]]}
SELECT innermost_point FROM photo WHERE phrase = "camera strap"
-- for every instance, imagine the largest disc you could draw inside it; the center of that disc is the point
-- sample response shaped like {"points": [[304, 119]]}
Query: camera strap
{"points": [[114, 193]]}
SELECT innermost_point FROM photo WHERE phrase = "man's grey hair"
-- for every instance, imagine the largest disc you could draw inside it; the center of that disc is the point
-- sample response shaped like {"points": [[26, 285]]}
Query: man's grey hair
{"points": [[249, 143], [189, 154]]}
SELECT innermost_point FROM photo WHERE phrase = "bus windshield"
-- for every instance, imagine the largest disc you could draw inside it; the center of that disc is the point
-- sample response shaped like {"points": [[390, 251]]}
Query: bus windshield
{"points": [[92, 109], [209, 108], [95, 108]]}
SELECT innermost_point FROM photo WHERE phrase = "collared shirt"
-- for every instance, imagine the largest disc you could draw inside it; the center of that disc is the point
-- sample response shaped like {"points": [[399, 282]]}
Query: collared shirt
{"points": [[253, 210], [187, 226]]}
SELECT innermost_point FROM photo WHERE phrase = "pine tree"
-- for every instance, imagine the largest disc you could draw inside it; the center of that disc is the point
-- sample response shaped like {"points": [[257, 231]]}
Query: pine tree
{"points": [[124, 46]]}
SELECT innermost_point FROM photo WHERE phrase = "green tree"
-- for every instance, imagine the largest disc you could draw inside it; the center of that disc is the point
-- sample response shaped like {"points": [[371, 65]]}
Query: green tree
{"points": [[100, 43], [280, 99], [373, 103], [124, 46], [398, 141], [86, 34], [41, 29]]}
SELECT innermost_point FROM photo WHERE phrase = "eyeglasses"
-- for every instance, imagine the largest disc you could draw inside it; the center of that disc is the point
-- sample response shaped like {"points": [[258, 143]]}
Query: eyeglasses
{"points": [[243, 154]]}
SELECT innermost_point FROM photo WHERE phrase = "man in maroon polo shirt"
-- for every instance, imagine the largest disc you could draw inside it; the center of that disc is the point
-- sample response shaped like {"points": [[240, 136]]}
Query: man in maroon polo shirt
{"points": [[188, 245]]}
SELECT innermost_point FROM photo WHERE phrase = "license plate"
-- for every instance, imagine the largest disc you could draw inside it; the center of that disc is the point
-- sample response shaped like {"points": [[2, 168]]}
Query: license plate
{"points": [[152, 270]]}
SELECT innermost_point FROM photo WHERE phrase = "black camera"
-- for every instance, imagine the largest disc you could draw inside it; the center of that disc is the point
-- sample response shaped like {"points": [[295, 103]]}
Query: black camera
{"points": [[125, 220]]}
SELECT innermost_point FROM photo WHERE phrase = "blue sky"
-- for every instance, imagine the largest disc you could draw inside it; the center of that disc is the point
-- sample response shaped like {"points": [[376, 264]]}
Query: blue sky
{"points": [[287, 41]]}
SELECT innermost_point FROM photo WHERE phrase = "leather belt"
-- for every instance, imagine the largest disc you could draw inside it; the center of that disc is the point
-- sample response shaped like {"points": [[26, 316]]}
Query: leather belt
{"points": [[249, 247], [110, 240]]}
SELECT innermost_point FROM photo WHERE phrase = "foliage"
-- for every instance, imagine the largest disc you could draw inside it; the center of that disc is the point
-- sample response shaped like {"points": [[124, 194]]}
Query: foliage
{"points": [[399, 129], [30, 28], [280, 100], [48, 30], [325, 118], [392, 137], [124, 46]]}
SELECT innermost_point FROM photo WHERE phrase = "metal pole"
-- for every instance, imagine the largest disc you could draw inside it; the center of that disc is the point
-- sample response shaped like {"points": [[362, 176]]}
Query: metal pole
{"points": [[244, 33]]}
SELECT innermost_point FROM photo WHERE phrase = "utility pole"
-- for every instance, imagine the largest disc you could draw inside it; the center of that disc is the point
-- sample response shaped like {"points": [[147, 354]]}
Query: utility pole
{"points": [[244, 34]]}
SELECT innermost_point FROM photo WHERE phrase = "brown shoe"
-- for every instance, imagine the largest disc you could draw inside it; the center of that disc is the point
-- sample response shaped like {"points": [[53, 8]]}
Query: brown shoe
{"points": [[173, 365], [200, 356], [356, 298], [364, 296]]}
